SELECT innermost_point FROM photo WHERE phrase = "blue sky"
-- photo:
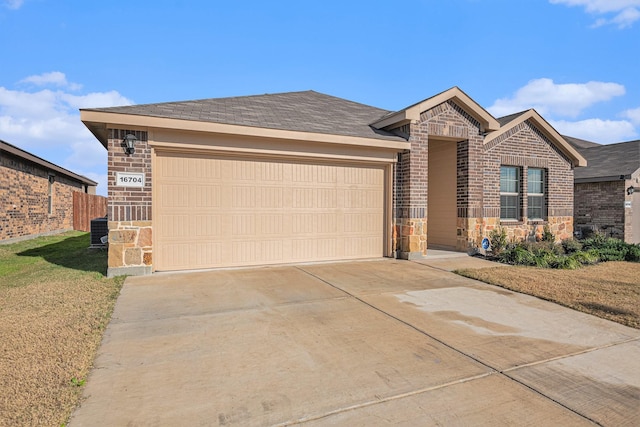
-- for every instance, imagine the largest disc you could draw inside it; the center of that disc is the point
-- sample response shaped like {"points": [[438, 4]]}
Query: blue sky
{"points": [[575, 61]]}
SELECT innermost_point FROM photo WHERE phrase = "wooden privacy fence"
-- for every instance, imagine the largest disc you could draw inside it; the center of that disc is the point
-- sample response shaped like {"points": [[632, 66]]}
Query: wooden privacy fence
{"points": [[87, 207]]}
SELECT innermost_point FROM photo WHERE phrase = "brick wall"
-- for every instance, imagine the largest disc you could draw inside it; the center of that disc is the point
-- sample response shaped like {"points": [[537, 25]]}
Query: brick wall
{"points": [[24, 205], [448, 121], [129, 210], [600, 205], [524, 146]]}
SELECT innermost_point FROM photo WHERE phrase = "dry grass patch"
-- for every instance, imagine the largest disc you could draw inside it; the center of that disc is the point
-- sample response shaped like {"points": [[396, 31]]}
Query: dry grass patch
{"points": [[55, 303], [610, 290]]}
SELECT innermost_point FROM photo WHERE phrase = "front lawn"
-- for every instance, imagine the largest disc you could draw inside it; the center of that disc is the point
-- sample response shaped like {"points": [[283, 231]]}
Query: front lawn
{"points": [[55, 302], [610, 290]]}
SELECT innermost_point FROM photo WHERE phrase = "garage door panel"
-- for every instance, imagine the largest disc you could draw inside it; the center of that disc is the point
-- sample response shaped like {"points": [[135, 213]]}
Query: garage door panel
{"points": [[213, 212]]}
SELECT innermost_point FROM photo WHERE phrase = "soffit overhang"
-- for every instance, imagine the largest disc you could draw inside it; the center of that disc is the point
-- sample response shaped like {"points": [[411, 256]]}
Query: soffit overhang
{"points": [[99, 121]]}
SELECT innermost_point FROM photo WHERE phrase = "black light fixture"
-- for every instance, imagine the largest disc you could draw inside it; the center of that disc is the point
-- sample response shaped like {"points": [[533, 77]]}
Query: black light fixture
{"points": [[630, 190], [129, 143]]}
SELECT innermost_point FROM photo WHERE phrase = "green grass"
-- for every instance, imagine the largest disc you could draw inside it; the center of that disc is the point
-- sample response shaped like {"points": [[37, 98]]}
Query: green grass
{"points": [[55, 303]]}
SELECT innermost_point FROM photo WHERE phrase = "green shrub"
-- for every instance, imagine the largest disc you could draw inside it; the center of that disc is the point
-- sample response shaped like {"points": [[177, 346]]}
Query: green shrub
{"points": [[610, 249], [517, 254], [498, 240], [586, 257], [547, 235], [633, 253], [567, 263], [571, 246]]}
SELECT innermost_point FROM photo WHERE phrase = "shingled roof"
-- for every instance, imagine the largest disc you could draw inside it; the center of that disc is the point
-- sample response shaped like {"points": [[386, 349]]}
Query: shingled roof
{"points": [[609, 162], [307, 111], [580, 144], [507, 119]]}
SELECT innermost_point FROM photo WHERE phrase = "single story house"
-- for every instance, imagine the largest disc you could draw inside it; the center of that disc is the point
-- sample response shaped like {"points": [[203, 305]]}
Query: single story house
{"points": [[36, 196], [304, 176], [607, 191]]}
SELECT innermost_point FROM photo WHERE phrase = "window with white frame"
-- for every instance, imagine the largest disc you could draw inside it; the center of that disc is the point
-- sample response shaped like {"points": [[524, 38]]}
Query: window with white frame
{"points": [[536, 206], [509, 193]]}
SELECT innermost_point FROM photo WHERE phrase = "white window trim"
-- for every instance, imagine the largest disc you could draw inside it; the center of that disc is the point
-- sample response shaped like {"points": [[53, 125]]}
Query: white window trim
{"points": [[518, 195], [540, 195]]}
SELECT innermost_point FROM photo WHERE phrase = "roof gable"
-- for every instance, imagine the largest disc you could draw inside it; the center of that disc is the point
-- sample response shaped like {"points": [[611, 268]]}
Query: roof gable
{"points": [[513, 120], [455, 94]]}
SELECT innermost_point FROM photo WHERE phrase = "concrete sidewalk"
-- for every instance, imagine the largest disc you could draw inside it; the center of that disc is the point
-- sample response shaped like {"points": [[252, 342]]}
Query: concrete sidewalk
{"points": [[360, 343]]}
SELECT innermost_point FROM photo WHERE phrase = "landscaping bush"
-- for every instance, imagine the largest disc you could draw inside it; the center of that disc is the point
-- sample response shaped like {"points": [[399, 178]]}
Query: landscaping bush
{"points": [[547, 235], [498, 240], [569, 254], [571, 246], [610, 249], [633, 253]]}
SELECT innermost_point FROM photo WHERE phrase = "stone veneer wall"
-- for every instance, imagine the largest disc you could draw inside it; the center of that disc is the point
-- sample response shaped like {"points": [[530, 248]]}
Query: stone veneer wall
{"points": [[525, 146], [24, 209], [129, 209]]}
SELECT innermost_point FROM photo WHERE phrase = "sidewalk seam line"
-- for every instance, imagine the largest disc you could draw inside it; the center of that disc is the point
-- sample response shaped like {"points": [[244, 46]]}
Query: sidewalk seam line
{"points": [[493, 370]]}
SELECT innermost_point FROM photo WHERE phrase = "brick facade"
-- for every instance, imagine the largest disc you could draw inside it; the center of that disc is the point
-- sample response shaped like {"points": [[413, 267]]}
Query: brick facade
{"points": [[24, 190], [445, 121], [609, 215], [476, 206], [478, 181], [524, 147], [130, 208]]}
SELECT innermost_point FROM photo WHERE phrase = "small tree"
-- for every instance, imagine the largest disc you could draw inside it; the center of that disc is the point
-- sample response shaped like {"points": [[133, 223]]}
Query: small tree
{"points": [[498, 239], [547, 234]]}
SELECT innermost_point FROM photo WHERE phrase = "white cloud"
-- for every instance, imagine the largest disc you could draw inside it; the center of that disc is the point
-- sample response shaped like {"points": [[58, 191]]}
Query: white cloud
{"points": [[47, 123], [597, 130], [547, 97], [633, 115], [13, 4], [626, 12], [54, 78]]}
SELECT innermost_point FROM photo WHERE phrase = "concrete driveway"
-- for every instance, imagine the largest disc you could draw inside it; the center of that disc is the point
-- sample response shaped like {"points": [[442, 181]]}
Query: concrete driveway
{"points": [[360, 343]]}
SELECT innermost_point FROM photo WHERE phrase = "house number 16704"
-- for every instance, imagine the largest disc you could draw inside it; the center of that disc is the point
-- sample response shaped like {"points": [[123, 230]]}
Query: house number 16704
{"points": [[129, 179]]}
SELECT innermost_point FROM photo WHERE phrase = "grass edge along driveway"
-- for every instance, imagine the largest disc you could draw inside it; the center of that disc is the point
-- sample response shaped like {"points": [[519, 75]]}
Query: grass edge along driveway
{"points": [[610, 290], [55, 303]]}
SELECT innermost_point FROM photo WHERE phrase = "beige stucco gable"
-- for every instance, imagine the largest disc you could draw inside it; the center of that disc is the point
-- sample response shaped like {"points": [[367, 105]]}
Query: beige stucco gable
{"points": [[541, 124], [412, 113]]}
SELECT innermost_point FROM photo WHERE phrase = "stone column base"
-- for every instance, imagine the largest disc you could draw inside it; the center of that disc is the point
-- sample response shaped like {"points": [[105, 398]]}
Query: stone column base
{"points": [[128, 271]]}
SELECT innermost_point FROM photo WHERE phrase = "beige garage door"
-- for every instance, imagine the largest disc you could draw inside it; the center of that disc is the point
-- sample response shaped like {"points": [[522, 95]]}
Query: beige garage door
{"points": [[216, 212]]}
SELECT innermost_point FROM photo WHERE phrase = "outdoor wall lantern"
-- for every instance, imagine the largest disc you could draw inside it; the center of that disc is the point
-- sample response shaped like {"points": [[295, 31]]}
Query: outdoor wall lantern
{"points": [[129, 143], [631, 190]]}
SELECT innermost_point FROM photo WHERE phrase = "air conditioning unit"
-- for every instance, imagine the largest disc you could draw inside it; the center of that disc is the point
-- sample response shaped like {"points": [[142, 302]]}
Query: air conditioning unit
{"points": [[99, 229]]}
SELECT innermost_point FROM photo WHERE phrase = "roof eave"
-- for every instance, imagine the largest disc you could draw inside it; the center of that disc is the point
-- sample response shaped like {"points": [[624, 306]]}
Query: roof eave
{"points": [[45, 164], [601, 179], [99, 121]]}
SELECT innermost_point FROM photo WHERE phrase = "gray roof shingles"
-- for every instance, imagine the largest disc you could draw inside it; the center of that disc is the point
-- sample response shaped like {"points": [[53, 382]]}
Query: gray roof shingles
{"points": [[307, 111], [612, 160]]}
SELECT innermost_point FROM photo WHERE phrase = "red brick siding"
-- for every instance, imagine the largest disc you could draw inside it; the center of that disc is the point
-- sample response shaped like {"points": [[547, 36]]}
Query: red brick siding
{"points": [[24, 191], [601, 205], [446, 120], [526, 147], [129, 203]]}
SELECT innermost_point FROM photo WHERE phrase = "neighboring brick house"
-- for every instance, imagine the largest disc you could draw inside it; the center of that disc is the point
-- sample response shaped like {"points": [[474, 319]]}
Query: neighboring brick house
{"points": [[303, 176], [36, 196], [607, 191]]}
